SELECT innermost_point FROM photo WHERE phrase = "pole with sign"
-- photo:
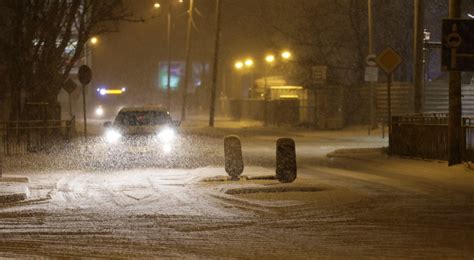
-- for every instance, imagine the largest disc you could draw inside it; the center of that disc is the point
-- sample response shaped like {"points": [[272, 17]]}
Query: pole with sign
{"points": [[85, 77], [69, 87], [388, 61], [371, 77]]}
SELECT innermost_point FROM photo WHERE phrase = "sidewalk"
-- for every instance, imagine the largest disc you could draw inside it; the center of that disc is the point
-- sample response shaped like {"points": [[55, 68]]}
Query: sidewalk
{"points": [[13, 189]]}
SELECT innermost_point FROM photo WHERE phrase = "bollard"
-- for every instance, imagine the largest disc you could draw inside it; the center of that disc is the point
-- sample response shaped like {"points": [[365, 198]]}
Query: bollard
{"points": [[286, 160], [234, 165]]}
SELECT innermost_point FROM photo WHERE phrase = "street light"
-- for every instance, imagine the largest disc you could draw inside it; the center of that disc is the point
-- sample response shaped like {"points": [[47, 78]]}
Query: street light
{"points": [[94, 40], [286, 55], [249, 62], [157, 5], [239, 65], [270, 58]]}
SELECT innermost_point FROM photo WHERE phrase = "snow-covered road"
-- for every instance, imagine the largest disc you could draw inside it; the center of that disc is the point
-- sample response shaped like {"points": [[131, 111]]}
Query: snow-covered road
{"points": [[351, 205]]}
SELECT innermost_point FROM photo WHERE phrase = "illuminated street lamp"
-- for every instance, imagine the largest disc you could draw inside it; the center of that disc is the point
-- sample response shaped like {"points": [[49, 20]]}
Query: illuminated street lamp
{"points": [[156, 5], [286, 55], [94, 40], [270, 58], [239, 65], [248, 62]]}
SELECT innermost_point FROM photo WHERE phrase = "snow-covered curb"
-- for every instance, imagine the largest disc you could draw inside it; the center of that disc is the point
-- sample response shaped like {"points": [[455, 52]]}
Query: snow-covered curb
{"points": [[10, 192]]}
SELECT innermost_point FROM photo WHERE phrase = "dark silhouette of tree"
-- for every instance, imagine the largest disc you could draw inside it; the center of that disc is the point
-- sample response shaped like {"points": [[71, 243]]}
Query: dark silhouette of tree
{"points": [[41, 41]]}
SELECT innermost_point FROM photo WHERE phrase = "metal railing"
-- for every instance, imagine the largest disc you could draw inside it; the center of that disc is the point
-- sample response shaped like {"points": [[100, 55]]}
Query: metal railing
{"points": [[426, 136], [20, 137]]}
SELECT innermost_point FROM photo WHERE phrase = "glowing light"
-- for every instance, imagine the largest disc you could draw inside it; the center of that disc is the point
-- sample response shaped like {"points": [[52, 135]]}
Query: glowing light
{"points": [[103, 91], [167, 135], [286, 55], [99, 111], [124, 89], [112, 136], [270, 58], [289, 96], [239, 65], [157, 5], [249, 62], [94, 40], [180, 1], [470, 16], [287, 87]]}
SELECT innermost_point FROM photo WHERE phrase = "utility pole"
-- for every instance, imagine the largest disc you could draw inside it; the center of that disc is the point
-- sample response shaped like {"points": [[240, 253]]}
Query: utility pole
{"points": [[212, 110], [373, 123], [168, 87], [455, 105], [418, 54], [187, 73]]}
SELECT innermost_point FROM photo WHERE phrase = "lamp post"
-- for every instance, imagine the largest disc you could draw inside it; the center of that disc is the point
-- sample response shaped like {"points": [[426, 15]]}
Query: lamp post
{"points": [[168, 37], [269, 60], [188, 59]]}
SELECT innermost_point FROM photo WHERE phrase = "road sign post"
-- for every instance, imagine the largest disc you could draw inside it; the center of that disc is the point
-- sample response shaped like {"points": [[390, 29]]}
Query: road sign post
{"points": [[371, 77], [389, 60], [69, 87], [457, 55], [85, 77]]}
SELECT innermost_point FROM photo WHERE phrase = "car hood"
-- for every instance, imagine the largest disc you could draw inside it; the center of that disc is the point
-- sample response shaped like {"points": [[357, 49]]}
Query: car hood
{"points": [[140, 130]]}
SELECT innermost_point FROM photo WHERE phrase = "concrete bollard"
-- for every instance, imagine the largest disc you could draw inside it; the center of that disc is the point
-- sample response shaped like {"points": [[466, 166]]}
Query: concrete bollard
{"points": [[234, 164], [286, 160]]}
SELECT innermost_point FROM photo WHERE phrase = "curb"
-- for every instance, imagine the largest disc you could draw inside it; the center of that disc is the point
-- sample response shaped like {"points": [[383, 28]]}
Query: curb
{"points": [[11, 193], [11, 198]]}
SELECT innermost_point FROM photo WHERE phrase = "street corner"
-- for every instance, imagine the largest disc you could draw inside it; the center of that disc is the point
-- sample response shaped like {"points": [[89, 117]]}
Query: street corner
{"points": [[11, 192]]}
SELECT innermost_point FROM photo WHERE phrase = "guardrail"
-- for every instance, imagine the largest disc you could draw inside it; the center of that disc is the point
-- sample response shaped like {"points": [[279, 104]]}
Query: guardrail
{"points": [[21, 137]]}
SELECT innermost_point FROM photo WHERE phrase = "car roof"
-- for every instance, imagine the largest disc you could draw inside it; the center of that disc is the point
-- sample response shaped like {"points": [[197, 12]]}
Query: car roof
{"points": [[144, 109]]}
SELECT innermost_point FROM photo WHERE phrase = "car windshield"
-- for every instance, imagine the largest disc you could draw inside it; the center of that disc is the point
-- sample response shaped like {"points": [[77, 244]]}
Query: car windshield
{"points": [[142, 118]]}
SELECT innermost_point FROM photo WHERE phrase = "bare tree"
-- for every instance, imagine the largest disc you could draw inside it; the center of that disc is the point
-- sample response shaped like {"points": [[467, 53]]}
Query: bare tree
{"points": [[42, 41]]}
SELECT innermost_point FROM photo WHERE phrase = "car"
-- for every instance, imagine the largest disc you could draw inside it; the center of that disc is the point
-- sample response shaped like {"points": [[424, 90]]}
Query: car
{"points": [[142, 127]]}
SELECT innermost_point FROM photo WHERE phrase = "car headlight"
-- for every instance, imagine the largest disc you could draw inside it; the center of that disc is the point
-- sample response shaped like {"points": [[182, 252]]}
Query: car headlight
{"points": [[112, 136], [167, 135]]}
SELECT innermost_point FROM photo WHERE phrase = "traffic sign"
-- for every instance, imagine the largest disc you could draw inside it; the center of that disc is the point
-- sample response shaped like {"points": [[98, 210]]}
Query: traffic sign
{"points": [[370, 60], [458, 45], [388, 60], [371, 74], [320, 74], [69, 86], [85, 74]]}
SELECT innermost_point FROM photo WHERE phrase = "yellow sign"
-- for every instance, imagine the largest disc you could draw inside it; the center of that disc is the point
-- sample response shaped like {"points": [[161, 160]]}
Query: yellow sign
{"points": [[389, 60]]}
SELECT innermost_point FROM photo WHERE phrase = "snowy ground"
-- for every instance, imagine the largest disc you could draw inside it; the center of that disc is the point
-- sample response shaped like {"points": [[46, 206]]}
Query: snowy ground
{"points": [[352, 204]]}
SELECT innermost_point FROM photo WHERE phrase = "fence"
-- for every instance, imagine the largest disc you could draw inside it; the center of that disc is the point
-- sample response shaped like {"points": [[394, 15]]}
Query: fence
{"points": [[426, 136], [20, 137]]}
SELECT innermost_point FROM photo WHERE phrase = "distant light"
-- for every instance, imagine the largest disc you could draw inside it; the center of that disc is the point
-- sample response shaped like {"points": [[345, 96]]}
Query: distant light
{"points": [[180, 1], [286, 55], [249, 62], [103, 91], [113, 91], [99, 111], [94, 40], [124, 89], [239, 65], [470, 16], [270, 58], [157, 5], [98, 89]]}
